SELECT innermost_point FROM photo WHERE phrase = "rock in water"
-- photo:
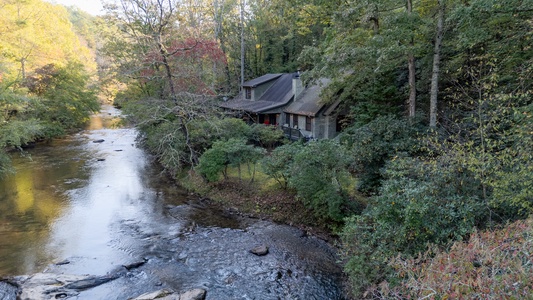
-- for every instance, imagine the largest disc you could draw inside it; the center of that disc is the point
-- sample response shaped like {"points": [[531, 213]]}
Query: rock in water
{"points": [[260, 250], [196, 294], [153, 295], [89, 282]]}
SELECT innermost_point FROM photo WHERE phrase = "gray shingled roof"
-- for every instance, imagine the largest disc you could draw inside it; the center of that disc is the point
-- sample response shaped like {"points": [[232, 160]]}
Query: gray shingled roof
{"points": [[260, 80], [278, 95], [308, 102]]}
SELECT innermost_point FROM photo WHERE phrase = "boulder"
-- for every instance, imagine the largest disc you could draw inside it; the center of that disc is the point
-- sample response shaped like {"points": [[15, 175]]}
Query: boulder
{"points": [[154, 295], [196, 294], [260, 250]]}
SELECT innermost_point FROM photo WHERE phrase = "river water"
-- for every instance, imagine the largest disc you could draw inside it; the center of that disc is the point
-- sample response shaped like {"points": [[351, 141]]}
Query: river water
{"points": [[93, 201]]}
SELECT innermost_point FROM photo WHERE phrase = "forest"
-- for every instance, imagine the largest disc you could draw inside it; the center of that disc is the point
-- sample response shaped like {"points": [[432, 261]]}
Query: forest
{"points": [[428, 186]]}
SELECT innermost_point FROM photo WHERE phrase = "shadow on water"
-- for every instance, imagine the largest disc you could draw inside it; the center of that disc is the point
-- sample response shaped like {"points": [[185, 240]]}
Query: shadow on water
{"points": [[94, 201]]}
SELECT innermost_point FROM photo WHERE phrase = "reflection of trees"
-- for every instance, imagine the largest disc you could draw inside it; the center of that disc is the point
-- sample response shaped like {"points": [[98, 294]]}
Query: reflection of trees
{"points": [[29, 203]]}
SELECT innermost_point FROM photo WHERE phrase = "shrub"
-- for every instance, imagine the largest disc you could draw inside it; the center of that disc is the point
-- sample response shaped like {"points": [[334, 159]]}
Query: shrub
{"points": [[420, 203], [266, 136], [373, 144], [491, 265], [319, 174], [233, 152], [279, 163]]}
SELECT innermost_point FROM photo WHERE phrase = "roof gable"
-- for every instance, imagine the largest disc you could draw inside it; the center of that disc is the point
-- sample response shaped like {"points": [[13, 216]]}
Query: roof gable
{"points": [[260, 80]]}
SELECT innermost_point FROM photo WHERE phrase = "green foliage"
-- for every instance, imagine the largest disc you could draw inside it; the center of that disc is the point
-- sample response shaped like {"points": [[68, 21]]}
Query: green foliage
{"points": [[167, 142], [17, 126], [319, 174], [420, 203], [67, 100], [278, 164], [373, 144], [204, 132], [513, 178], [233, 152], [19, 133], [266, 136]]}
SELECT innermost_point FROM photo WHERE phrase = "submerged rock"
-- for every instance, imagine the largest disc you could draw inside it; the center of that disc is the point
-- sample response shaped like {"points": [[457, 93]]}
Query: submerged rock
{"points": [[57, 286], [154, 295], [260, 250], [89, 282], [195, 294]]}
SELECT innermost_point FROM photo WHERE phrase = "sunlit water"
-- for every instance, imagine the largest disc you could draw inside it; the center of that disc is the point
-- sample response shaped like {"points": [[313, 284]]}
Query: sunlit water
{"points": [[81, 205], [66, 195]]}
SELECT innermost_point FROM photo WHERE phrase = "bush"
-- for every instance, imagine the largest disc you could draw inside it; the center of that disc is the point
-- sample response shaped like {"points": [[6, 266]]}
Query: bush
{"points": [[167, 142], [420, 203], [266, 136], [279, 163], [491, 265], [319, 174], [373, 144]]}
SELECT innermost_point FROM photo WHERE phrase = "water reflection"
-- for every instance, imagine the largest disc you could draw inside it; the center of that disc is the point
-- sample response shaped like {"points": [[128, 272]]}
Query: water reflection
{"points": [[64, 201]]}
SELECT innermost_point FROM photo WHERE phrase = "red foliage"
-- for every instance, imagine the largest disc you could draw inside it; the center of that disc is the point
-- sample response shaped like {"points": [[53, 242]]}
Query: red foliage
{"points": [[491, 265], [191, 62]]}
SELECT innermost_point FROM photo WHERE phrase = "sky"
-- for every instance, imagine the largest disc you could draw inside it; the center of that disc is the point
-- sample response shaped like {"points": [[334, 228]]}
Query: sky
{"points": [[94, 7]]}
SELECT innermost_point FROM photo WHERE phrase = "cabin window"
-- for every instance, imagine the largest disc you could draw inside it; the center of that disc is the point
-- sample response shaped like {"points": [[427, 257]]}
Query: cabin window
{"points": [[248, 93], [308, 123], [295, 121], [288, 119]]}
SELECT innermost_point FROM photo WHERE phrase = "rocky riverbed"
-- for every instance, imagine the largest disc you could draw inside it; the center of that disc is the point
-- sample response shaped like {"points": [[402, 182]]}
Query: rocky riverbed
{"points": [[181, 256]]}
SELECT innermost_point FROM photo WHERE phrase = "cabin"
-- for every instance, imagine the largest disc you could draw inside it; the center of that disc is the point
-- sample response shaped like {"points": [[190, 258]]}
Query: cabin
{"points": [[282, 100], [310, 116], [262, 99]]}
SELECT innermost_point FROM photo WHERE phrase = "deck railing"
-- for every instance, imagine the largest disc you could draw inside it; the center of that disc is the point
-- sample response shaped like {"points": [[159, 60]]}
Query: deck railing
{"points": [[292, 134]]}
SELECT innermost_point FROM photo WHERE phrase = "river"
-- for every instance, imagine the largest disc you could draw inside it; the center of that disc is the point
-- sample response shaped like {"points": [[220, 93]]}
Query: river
{"points": [[92, 202]]}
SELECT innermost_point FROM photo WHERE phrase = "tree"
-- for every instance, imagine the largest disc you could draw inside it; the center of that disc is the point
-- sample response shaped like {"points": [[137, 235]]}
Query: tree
{"points": [[436, 62], [374, 144], [223, 154], [67, 101], [158, 51], [278, 164], [36, 33]]}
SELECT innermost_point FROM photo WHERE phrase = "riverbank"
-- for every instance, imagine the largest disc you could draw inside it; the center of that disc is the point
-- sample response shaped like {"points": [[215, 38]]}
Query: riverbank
{"points": [[262, 200]]}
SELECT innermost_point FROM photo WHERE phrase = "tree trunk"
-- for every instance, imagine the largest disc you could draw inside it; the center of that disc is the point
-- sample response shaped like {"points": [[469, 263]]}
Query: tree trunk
{"points": [[375, 19], [412, 85], [436, 68], [412, 71], [242, 42]]}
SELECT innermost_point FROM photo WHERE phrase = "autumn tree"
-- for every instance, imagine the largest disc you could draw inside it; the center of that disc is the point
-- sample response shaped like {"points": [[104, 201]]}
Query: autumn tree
{"points": [[156, 48], [35, 33]]}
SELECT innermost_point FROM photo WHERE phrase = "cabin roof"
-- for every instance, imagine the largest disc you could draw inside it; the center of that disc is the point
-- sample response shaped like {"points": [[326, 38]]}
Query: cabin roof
{"points": [[308, 102], [278, 95]]}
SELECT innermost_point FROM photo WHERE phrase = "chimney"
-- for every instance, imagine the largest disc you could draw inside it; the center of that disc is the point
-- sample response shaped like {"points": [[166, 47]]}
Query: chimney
{"points": [[297, 86]]}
